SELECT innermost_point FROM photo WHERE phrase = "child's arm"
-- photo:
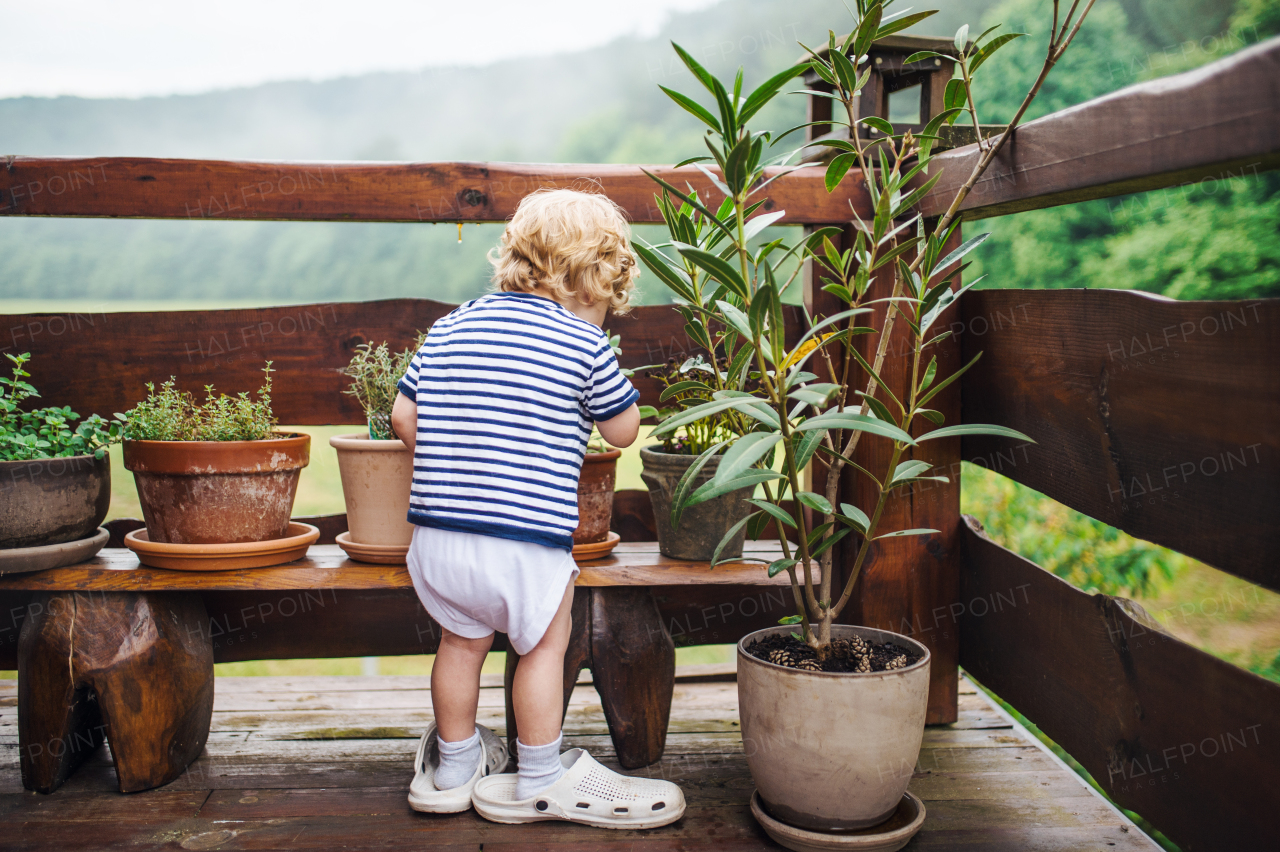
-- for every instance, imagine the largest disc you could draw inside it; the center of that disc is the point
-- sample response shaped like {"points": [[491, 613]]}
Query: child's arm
{"points": [[404, 420], [621, 430]]}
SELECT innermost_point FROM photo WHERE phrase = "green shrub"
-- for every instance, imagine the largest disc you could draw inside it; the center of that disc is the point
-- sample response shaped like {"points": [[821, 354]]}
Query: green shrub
{"points": [[173, 415], [45, 433]]}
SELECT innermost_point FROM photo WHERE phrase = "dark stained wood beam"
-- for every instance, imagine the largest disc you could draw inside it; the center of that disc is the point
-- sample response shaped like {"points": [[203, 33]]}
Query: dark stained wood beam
{"points": [[1217, 122], [137, 187], [116, 354], [1177, 735], [1158, 417]]}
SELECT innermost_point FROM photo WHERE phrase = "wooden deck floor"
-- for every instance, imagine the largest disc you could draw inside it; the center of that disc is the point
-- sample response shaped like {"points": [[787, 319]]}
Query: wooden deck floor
{"points": [[324, 763]]}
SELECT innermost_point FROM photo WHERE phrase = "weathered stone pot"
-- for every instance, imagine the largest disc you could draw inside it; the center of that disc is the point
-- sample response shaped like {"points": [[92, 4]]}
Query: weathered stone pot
{"points": [[595, 496], [217, 492], [832, 751], [376, 478], [701, 526], [51, 501]]}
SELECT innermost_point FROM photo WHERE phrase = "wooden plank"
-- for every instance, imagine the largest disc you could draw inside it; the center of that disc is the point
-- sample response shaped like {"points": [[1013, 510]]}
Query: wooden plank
{"points": [[1169, 731], [1158, 417], [117, 354], [154, 188], [327, 567], [905, 581], [1214, 122]]}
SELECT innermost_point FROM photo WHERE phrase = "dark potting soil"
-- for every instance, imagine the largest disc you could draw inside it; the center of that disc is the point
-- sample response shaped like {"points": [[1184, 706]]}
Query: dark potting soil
{"points": [[844, 655]]}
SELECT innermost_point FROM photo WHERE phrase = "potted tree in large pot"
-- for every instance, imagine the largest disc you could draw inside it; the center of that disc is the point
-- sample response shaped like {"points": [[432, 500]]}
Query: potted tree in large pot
{"points": [[863, 691], [376, 467], [216, 480], [55, 479]]}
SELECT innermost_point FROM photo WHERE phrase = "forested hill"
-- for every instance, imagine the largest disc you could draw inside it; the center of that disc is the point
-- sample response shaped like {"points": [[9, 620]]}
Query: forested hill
{"points": [[597, 105]]}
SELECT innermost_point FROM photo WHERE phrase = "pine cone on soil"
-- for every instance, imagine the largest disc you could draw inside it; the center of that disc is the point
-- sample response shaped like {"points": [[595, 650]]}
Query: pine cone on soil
{"points": [[809, 665], [898, 662], [782, 657]]}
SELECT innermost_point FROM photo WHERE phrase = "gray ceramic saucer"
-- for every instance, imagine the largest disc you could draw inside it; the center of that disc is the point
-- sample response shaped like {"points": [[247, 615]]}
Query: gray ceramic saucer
{"points": [[886, 837], [21, 560]]}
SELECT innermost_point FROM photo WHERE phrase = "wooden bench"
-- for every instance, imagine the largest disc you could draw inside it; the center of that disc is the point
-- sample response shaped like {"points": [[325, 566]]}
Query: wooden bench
{"points": [[113, 648]]}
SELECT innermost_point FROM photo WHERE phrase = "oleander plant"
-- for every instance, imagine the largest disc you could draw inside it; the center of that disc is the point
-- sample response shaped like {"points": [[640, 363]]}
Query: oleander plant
{"points": [[731, 296]]}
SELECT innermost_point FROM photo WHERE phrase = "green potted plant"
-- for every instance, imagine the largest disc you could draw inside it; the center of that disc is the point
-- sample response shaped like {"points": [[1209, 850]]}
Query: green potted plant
{"points": [[55, 476], [867, 687], [214, 471], [376, 467], [689, 455]]}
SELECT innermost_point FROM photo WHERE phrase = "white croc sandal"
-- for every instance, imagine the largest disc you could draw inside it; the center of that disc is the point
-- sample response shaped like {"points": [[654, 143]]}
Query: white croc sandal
{"points": [[587, 793], [423, 795]]}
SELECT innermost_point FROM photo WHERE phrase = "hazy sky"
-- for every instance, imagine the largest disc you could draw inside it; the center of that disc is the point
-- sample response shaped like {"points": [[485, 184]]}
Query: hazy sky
{"points": [[109, 48]]}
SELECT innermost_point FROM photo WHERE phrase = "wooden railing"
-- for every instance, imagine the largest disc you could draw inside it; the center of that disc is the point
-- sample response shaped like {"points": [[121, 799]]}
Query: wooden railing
{"points": [[1160, 418]]}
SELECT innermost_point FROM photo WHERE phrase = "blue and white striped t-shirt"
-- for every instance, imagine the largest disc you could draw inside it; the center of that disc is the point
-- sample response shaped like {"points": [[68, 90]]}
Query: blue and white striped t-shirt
{"points": [[507, 388]]}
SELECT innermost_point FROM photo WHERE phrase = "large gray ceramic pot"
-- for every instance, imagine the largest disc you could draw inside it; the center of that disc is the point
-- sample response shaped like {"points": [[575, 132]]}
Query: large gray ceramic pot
{"points": [[51, 501], [701, 526], [832, 751]]}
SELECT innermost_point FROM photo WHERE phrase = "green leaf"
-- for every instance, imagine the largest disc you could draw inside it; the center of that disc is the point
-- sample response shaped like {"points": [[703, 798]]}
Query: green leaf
{"points": [[807, 444], [965, 247], [878, 123], [954, 97], [898, 24], [679, 497], [855, 516], [935, 417], [682, 387], [779, 514], [691, 415], [829, 542], [962, 36], [879, 408], [790, 619], [647, 411], [776, 568], [717, 269], [736, 319], [838, 168], [855, 423], [929, 373], [711, 490], [900, 533], [766, 91], [908, 470], [879, 381], [759, 223], [701, 73], [975, 429], [693, 107], [744, 453], [984, 53], [728, 536], [938, 388], [867, 29], [844, 69], [922, 54], [815, 501], [673, 278]]}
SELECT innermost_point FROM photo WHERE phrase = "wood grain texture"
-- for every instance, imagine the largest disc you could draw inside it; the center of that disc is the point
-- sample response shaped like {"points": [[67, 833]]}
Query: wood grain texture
{"points": [[267, 780], [327, 567], [154, 188], [308, 345], [1169, 731], [1158, 417], [135, 668], [1216, 122], [906, 580]]}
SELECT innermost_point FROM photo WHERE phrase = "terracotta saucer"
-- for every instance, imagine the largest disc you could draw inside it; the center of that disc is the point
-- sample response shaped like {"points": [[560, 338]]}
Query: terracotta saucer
{"points": [[377, 554], [223, 557], [596, 549], [20, 560], [888, 836]]}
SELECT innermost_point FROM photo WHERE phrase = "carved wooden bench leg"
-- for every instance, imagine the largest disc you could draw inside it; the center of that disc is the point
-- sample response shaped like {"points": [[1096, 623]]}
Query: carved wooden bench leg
{"points": [[148, 660], [633, 664], [577, 657]]}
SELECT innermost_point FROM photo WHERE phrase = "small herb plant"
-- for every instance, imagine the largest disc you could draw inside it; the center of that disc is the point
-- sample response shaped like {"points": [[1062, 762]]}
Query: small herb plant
{"points": [[375, 376], [46, 433], [690, 383], [169, 414]]}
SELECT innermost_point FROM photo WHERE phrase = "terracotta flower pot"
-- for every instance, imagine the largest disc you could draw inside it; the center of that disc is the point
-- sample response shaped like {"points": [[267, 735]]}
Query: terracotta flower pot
{"points": [[832, 751], [217, 492], [376, 478], [701, 526], [51, 501], [596, 485]]}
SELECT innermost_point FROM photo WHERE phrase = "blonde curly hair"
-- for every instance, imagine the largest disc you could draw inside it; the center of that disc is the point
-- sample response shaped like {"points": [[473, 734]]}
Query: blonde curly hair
{"points": [[573, 244]]}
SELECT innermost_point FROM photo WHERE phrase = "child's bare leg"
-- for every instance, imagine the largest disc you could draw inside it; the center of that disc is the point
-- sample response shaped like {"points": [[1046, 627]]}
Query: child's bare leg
{"points": [[538, 688], [455, 684], [455, 694], [537, 695]]}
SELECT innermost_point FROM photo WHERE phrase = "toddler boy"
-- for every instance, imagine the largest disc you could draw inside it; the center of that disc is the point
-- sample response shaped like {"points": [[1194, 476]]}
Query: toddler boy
{"points": [[499, 405]]}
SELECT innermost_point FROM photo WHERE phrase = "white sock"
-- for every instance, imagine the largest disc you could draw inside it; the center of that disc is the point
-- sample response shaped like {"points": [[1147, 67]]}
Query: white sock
{"points": [[457, 761], [540, 767]]}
